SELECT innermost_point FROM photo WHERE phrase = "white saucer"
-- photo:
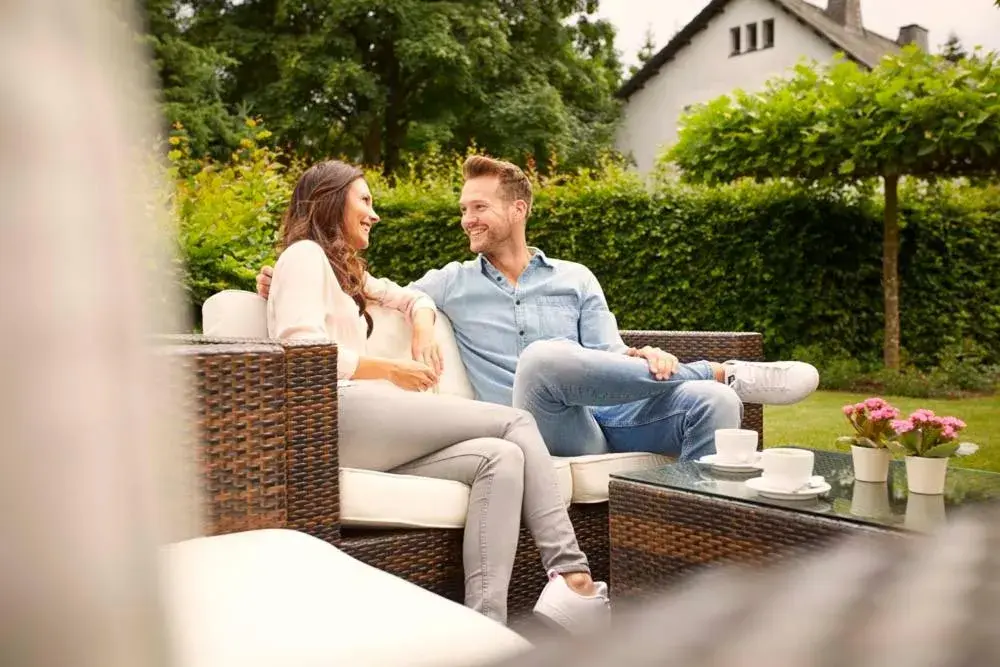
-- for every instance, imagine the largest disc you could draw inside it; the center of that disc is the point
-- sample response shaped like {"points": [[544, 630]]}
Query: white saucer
{"points": [[818, 487], [712, 460]]}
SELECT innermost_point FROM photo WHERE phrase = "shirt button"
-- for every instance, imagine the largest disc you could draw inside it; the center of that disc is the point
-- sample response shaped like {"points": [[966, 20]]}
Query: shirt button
{"points": [[517, 303], [521, 333], [499, 278]]}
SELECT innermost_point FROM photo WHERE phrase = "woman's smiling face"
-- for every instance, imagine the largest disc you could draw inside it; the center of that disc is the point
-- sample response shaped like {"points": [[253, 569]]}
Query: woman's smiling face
{"points": [[359, 216]]}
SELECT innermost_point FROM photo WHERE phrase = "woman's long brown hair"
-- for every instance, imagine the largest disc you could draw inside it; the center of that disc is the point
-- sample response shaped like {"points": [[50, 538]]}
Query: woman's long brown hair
{"points": [[316, 213]]}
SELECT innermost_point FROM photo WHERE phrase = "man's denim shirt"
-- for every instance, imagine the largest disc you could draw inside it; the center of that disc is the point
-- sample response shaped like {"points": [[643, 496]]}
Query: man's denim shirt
{"points": [[494, 320]]}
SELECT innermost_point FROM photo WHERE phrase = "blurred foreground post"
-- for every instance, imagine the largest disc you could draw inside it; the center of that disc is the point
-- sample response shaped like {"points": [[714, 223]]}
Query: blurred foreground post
{"points": [[93, 455]]}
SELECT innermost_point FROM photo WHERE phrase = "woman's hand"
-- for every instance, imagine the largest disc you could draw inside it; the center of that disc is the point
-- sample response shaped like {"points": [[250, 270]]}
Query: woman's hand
{"points": [[411, 375], [423, 345]]}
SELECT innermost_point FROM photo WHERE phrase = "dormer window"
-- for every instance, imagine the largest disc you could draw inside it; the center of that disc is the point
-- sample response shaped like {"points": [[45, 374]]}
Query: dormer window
{"points": [[756, 37], [768, 34]]}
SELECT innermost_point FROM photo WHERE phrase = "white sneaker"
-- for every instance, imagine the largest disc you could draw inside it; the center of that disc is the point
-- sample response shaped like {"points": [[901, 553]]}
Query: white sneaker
{"points": [[574, 612], [771, 383]]}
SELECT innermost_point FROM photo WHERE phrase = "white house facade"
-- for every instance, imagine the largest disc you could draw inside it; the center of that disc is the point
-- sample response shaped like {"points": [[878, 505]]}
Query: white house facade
{"points": [[737, 44]]}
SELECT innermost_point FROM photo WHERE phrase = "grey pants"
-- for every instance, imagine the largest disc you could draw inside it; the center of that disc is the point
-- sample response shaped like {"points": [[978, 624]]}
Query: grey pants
{"points": [[496, 450]]}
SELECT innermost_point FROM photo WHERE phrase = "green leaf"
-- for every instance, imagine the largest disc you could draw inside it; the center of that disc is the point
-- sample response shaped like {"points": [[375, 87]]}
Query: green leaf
{"points": [[941, 451], [927, 149]]}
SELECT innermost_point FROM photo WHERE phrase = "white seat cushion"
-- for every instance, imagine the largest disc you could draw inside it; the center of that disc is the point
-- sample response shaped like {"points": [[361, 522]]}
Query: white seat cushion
{"points": [[279, 597], [391, 338], [235, 314], [387, 500], [591, 474]]}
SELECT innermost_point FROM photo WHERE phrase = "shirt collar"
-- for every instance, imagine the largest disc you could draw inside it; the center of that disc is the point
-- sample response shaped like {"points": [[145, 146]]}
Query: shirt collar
{"points": [[537, 256]]}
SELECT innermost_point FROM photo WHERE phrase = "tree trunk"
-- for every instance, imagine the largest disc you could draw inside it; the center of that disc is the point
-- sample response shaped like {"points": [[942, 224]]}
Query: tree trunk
{"points": [[371, 149], [890, 272], [395, 112]]}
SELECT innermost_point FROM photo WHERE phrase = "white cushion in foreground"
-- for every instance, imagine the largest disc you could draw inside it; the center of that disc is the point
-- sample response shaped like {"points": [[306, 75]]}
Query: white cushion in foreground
{"points": [[387, 500], [279, 597], [592, 473]]}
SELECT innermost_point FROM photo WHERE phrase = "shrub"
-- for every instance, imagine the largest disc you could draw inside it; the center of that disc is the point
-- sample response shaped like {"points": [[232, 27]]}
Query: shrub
{"points": [[228, 215]]}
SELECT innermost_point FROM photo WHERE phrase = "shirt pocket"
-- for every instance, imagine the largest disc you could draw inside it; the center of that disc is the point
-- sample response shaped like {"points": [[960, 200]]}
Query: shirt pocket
{"points": [[558, 317]]}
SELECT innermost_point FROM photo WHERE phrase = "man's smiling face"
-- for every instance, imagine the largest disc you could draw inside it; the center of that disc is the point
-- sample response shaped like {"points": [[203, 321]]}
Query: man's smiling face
{"points": [[487, 218]]}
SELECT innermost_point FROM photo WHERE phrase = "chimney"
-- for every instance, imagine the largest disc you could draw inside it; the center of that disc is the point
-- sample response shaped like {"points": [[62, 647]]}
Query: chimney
{"points": [[913, 34], [847, 13]]}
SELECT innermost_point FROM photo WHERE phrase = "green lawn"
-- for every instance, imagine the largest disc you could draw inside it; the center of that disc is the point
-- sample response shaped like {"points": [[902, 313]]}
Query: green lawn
{"points": [[817, 422]]}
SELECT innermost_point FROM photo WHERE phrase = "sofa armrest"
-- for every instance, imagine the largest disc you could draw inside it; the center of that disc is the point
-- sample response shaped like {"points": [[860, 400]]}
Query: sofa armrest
{"points": [[690, 346], [266, 413], [312, 458], [718, 346]]}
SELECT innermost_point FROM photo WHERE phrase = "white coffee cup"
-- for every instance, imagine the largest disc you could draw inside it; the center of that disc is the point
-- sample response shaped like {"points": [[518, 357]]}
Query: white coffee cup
{"points": [[787, 468], [735, 445]]}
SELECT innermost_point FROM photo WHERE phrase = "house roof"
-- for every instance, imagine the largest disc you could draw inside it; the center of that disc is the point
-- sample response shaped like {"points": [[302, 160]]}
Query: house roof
{"points": [[866, 48]]}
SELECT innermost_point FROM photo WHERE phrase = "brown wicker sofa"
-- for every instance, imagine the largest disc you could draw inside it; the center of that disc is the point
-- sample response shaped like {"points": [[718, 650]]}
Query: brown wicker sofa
{"points": [[267, 417]]}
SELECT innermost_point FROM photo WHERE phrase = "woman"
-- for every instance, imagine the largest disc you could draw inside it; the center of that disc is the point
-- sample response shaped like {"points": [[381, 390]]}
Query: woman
{"points": [[320, 291]]}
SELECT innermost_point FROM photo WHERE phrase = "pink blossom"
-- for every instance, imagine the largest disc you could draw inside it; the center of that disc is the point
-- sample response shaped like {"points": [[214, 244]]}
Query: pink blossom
{"points": [[883, 414], [953, 422], [948, 432], [902, 425], [874, 403], [922, 416], [848, 410]]}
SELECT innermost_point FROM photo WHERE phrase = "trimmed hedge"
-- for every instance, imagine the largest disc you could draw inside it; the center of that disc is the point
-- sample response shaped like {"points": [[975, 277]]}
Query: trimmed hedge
{"points": [[800, 264]]}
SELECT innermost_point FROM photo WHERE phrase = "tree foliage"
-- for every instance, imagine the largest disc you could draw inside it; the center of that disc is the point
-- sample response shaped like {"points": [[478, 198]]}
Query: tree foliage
{"points": [[953, 50], [914, 114], [646, 51], [377, 81], [191, 81]]}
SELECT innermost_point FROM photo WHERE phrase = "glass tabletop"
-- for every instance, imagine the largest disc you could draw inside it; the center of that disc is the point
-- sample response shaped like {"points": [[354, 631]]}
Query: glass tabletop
{"points": [[887, 504]]}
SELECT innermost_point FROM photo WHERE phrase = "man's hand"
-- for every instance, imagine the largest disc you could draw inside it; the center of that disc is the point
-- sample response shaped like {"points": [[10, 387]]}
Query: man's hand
{"points": [[264, 281], [661, 364], [423, 346]]}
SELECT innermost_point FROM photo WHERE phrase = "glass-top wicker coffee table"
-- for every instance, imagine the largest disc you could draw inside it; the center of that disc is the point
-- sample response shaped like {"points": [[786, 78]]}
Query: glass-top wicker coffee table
{"points": [[666, 523]]}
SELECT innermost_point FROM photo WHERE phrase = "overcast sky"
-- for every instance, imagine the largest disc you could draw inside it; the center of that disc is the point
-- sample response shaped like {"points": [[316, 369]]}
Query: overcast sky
{"points": [[974, 21]]}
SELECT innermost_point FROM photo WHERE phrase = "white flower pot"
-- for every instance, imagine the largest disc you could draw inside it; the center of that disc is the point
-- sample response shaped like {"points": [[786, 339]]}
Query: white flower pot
{"points": [[870, 499], [925, 475], [870, 464]]}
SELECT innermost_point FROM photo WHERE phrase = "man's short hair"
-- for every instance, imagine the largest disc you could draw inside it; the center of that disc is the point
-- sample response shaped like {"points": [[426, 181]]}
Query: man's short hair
{"points": [[514, 184]]}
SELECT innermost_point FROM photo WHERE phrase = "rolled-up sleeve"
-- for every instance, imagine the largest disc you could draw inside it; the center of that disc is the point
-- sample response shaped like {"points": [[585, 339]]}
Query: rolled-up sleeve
{"points": [[386, 293]]}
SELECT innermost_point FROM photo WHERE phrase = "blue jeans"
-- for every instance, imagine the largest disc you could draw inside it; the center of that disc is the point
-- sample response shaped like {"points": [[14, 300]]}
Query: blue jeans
{"points": [[593, 402]]}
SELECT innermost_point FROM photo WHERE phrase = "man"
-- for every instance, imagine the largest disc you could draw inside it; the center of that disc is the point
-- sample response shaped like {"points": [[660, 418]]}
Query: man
{"points": [[536, 333]]}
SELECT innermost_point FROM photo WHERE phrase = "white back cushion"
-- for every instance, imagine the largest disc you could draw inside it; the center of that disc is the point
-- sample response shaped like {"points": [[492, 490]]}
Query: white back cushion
{"points": [[242, 314], [391, 338], [234, 314]]}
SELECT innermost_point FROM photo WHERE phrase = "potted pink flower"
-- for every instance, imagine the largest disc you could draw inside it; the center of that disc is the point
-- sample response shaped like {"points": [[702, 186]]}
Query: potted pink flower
{"points": [[872, 421], [928, 441]]}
